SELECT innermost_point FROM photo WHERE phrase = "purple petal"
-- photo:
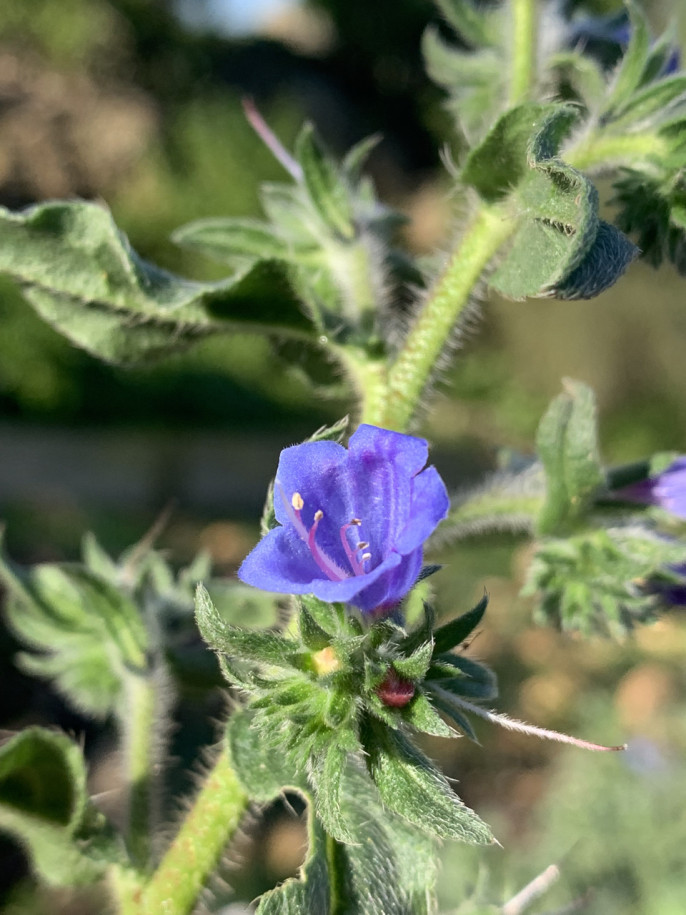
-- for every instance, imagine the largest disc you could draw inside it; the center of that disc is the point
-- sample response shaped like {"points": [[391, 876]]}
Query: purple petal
{"points": [[316, 470], [429, 506], [669, 488]]}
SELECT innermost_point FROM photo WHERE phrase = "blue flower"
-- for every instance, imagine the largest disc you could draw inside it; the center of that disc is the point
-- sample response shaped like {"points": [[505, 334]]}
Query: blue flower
{"points": [[352, 523], [667, 489]]}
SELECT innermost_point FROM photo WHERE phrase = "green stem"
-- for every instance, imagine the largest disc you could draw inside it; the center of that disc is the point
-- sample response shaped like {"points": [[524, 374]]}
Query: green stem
{"points": [[524, 44], [369, 376], [193, 855], [598, 150], [416, 361], [142, 745]]}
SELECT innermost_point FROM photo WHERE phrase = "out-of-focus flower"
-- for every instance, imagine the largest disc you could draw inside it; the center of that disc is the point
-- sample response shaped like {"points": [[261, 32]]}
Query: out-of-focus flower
{"points": [[667, 489], [352, 522]]}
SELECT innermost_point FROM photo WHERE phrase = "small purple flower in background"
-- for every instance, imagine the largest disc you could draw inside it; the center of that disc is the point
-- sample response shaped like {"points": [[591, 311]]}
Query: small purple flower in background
{"points": [[667, 489], [352, 522]]}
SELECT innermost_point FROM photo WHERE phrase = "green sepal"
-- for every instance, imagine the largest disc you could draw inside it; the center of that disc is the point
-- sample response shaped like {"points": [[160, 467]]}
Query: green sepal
{"points": [[474, 25], [455, 632], [445, 703], [567, 445], [412, 787], [332, 618], [44, 804], [324, 184], [424, 632], [462, 676], [311, 633], [82, 276], [87, 635], [244, 644], [336, 432], [414, 666], [423, 717]]}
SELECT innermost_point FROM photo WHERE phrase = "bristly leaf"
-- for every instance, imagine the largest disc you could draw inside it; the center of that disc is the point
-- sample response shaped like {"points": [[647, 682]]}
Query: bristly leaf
{"points": [[324, 184], [263, 773], [456, 631], [423, 717], [87, 635], [243, 644], [411, 786], [80, 273], [567, 444], [44, 804], [462, 676]]}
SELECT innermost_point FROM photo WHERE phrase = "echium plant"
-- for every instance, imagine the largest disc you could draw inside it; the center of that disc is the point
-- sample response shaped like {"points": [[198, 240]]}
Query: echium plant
{"points": [[333, 692]]}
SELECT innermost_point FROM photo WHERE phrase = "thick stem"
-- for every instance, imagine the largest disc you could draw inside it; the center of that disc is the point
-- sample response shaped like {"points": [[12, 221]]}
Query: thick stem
{"points": [[369, 377], [193, 855], [141, 724], [426, 339], [524, 45]]}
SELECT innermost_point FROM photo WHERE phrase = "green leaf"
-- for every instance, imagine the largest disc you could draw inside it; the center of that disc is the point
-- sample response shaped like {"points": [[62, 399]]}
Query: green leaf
{"points": [[519, 139], [567, 445], [89, 634], [411, 786], [326, 775], [80, 273], [630, 72], [233, 241], [472, 24], [325, 186], [443, 701], [263, 773], [456, 631], [44, 804], [243, 644], [312, 891], [607, 259]]}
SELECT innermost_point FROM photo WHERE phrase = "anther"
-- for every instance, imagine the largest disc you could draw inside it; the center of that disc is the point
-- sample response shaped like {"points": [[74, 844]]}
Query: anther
{"points": [[355, 521], [297, 501], [362, 545], [318, 515], [365, 556]]}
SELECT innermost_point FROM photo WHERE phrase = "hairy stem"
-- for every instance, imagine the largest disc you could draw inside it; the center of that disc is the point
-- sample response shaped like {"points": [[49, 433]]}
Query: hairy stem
{"points": [[193, 855], [141, 750], [427, 337], [524, 44]]}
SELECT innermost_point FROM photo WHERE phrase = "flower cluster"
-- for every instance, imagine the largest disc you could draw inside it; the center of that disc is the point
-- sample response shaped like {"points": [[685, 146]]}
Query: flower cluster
{"points": [[351, 522]]}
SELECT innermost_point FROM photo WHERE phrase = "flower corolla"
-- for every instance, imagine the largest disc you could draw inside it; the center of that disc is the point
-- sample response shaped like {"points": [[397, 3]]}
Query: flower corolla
{"points": [[351, 522], [667, 489]]}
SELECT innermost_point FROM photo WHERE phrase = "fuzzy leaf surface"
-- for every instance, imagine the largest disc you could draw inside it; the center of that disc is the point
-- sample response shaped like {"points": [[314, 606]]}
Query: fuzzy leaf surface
{"points": [[412, 787], [44, 804], [567, 444], [87, 635], [82, 276]]}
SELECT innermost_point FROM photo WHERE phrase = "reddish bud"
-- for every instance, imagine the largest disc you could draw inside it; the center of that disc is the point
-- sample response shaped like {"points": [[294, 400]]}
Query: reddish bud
{"points": [[395, 691]]}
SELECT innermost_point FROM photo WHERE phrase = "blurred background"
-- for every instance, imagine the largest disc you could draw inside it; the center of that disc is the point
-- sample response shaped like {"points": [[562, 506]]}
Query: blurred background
{"points": [[137, 103]]}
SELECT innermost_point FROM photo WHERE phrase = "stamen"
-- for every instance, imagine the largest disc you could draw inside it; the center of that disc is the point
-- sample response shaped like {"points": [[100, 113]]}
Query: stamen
{"points": [[293, 508], [362, 545], [355, 564], [327, 565], [365, 557]]}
